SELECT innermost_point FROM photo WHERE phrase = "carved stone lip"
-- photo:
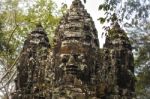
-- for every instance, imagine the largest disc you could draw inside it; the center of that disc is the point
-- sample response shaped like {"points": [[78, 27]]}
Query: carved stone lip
{"points": [[71, 65], [71, 69]]}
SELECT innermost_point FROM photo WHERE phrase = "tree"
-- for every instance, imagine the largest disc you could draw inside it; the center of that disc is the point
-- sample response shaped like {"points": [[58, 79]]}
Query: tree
{"points": [[16, 20], [133, 15]]}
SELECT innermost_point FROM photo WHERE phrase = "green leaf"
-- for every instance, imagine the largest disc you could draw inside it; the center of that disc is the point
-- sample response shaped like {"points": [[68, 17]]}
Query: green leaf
{"points": [[102, 20], [101, 7]]}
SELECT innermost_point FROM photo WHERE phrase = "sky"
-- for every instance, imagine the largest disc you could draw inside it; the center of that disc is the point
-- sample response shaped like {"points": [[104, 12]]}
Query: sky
{"points": [[92, 7]]}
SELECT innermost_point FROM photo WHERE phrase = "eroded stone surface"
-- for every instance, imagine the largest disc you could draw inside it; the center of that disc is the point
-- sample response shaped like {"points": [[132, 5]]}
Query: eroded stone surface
{"points": [[118, 65], [75, 52], [31, 77], [76, 68]]}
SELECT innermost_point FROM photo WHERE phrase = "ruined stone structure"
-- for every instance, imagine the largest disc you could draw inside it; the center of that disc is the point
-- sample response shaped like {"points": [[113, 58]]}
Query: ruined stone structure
{"points": [[32, 67], [76, 68], [118, 65], [76, 54]]}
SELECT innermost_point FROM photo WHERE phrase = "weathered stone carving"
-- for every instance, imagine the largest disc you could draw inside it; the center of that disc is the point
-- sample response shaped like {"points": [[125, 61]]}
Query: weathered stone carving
{"points": [[118, 65], [76, 68], [30, 80], [75, 53]]}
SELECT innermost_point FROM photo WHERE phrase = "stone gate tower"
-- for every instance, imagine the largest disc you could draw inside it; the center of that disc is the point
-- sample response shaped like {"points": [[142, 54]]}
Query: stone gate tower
{"points": [[32, 66], [75, 68], [76, 54], [118, 65]]}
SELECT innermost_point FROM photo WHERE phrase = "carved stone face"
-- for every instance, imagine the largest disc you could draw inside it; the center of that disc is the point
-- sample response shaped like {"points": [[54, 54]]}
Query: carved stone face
{"points": [[73, 63]]}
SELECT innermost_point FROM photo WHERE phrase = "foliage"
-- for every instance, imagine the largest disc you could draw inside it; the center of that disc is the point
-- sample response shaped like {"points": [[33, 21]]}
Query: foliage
{"points": [[143, 70], [133, 15], [17, 18], [133, 10]]}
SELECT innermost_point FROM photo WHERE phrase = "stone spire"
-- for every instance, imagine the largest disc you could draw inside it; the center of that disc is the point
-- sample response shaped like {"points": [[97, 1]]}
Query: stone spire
{"points": [[31, 68], [72, 70], [118, 65], [75, 54]]}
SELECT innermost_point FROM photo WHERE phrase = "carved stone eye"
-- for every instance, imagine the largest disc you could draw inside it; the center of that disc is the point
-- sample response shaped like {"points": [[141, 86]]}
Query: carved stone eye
{"points": [[64, 58], [76, 57], [88, 39], [80, 56]]}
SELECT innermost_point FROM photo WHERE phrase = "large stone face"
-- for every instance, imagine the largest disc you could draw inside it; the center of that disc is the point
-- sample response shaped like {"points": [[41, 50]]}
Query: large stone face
{"points": [[118, 65], [32, 65], [76, 68], [75, 53]]}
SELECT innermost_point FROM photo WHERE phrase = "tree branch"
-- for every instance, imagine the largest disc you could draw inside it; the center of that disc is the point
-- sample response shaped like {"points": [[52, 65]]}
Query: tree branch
{"points": [[10, 68], [9, 80], [12, 34]]}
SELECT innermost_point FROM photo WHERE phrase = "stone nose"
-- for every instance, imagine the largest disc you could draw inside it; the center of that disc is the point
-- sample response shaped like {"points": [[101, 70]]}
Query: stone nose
{"points": [[71, 67]]}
